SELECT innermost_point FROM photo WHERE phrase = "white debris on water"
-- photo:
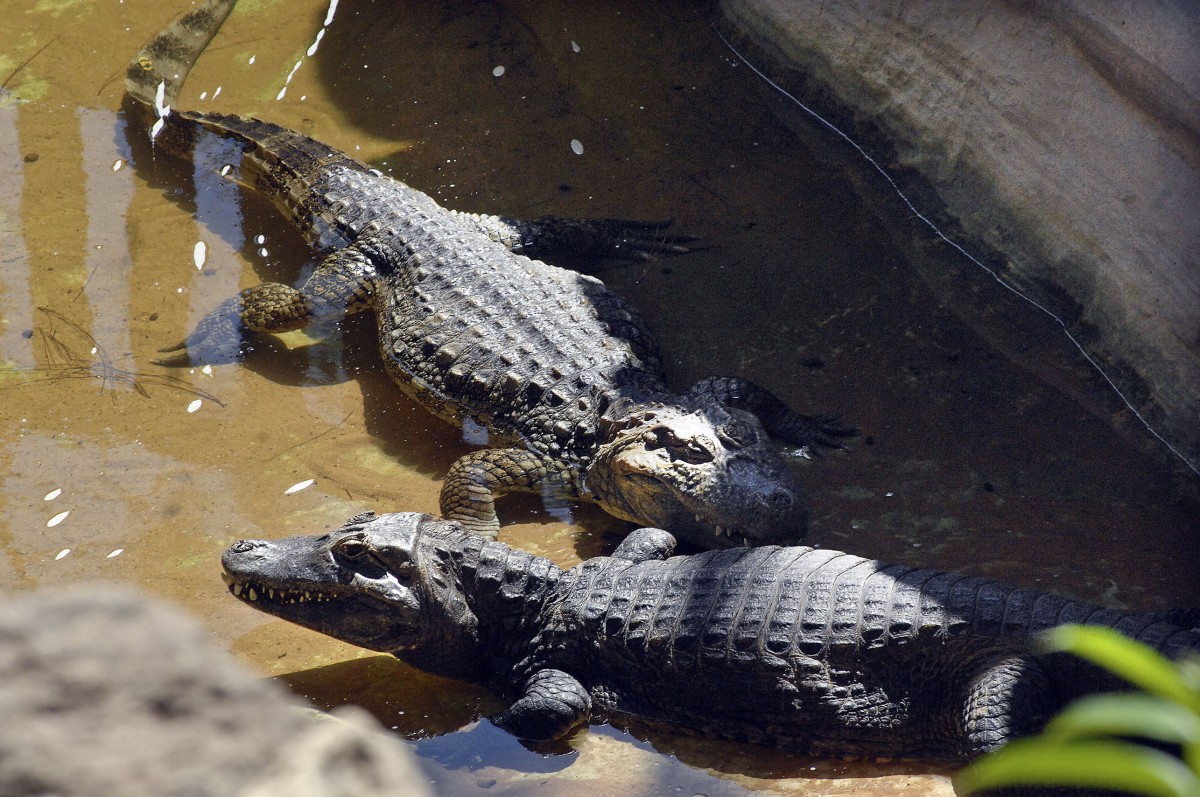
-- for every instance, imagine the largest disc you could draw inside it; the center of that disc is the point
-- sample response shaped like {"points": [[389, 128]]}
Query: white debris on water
{"points": [[498, 71], [62, 553], [577, 146], [55, 493], [298, 486], [59, 518], [115, 553], [311, 51], [574, 47], [118, 164], [206, 370], [199, 254], [195, 405]]}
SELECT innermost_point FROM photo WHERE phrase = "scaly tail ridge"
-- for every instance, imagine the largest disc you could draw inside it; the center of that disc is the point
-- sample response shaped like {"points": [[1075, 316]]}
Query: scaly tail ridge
{"points": [[167, 58]]}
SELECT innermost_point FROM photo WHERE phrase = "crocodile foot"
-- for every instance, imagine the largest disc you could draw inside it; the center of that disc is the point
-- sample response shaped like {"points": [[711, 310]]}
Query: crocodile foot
{"points": [[217, 339]]}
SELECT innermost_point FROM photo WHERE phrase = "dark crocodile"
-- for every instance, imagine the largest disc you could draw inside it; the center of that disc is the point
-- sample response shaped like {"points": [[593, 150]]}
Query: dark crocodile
{"points": [[809, 649], [561, 373]]}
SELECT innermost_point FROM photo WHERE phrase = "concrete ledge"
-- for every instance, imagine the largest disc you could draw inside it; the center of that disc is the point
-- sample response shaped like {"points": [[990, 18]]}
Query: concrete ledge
{"points": [[1063, 140]]}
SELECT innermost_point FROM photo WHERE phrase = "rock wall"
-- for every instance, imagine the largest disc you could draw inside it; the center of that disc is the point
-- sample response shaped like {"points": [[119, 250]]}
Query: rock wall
{"points": [[1061, 139], [104, 693]]}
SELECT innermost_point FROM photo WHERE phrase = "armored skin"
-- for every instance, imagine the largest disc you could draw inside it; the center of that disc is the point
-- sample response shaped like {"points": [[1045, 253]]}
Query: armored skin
{"points": [[561, 372], [814, 650]]}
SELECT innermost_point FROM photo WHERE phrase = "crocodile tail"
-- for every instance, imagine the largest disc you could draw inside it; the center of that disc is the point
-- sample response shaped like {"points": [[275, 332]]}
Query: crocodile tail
{"points": [[158, 70]]}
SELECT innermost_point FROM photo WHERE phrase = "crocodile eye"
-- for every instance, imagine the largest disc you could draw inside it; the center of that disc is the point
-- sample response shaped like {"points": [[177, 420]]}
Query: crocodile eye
{"points": [[352, 547], [737, 433], [687, 449], [693, 452]]}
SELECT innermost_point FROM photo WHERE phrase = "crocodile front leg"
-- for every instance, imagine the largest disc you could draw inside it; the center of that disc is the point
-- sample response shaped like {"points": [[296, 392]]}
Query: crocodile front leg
{"points": [[552, 704], [644, 545], [781, 421], [470, 490], [552, 237], [343, 283]]}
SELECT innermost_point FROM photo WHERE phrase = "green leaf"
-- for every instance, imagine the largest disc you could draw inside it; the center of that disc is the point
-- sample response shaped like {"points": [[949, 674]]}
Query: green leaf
{"points": [[1126, 714], [1135, 662], [1089, 764]]}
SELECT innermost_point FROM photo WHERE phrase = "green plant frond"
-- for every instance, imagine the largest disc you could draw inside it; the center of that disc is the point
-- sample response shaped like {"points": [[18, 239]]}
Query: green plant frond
{"points": [[1126, 714], [1098, 764], [1135, 662]]}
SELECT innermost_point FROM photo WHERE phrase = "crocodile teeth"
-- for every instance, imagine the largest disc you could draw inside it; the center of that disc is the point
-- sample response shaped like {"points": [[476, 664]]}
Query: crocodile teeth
{"points": [[253, 594], [237, 589]]}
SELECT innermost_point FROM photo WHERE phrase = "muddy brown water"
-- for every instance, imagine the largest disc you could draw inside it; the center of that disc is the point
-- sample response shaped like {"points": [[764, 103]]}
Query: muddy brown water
{"points": [[989, 445]]}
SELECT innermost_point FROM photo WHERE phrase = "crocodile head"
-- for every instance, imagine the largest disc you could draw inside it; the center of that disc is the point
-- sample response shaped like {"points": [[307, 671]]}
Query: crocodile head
{"points": [[710, 476], [385, 583]]}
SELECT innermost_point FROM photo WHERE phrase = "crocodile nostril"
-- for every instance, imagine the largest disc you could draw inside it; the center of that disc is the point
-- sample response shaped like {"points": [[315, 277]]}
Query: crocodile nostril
{"points": [[779, 501], [244, 546]]}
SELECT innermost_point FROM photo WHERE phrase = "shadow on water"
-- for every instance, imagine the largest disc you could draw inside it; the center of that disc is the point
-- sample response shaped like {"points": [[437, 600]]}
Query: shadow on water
{"points": [[445, 723]]}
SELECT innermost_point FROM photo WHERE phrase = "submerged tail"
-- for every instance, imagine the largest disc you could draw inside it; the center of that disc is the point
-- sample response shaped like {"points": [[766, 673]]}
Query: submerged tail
{"points": [[158, 70]]}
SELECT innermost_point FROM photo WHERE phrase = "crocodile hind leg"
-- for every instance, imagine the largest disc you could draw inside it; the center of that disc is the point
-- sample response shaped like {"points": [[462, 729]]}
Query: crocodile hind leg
{"points": [[553, 702], [1009, 698], [582, 240], [342, 283], [813, 432], [473, 482]]}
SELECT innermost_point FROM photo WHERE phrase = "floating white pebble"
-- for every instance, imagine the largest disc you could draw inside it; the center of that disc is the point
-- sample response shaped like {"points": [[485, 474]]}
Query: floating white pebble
{"points": [[262, 252], [55, 493], [298, 486], [498, 71], [62, 553], [115, 553], [577, 146], [199, 254], [59, 518], [195, 405], [260, 239]]}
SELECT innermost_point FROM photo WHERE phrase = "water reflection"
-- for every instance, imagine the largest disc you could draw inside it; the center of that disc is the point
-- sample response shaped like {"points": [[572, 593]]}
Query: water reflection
{"points": [[106, 258], [16, 303]]}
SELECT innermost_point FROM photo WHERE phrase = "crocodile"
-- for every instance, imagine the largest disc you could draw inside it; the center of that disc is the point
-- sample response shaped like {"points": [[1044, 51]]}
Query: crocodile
{"points": [[560, 372], [814, 650]]}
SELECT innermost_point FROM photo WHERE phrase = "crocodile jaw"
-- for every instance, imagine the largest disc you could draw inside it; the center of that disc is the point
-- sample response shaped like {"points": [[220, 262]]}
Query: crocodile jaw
{"points": [[304, 581]]}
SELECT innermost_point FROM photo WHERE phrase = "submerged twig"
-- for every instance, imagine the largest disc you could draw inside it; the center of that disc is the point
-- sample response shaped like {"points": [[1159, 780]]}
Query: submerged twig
{"points": [[63, 362]]}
